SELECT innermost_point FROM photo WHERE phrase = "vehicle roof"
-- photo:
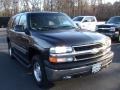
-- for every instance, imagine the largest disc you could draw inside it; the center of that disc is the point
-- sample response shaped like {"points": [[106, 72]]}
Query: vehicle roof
{"points": [[85, 16], [38, 12]]}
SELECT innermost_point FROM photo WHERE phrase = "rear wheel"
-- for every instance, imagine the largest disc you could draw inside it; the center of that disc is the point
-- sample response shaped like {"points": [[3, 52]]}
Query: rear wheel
{"points": [[10, 50]]}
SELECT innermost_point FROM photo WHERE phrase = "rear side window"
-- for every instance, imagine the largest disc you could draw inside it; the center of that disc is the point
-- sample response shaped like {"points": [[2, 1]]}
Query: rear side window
{"points": [[92, 19]]}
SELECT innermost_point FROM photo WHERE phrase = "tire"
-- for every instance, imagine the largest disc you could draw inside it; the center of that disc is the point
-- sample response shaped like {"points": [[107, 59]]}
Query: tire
{"points": [[39, 71], [10, 50], [118, 38]]}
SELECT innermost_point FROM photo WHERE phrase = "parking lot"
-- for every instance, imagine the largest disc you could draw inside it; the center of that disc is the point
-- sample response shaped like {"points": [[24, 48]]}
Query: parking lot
{"points": [[14, 76]]}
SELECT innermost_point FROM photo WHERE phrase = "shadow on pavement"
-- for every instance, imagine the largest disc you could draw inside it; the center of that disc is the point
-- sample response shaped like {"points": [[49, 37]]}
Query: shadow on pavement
{"points": [[116, 50], [13, 76]]}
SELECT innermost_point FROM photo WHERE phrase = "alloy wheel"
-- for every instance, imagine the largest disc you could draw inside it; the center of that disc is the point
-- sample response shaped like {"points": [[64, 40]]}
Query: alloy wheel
{"points": [[37, 72]]}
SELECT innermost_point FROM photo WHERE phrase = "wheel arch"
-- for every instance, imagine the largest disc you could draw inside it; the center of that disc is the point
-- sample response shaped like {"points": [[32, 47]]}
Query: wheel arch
{"points": [[33, 51]]}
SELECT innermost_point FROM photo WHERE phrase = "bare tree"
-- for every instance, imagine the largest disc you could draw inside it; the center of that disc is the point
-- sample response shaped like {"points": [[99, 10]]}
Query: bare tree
{"points": [[102, 10]]}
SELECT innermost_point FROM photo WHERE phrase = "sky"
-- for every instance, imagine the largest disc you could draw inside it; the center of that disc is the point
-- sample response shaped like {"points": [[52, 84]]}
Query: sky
{"points": [[111, 1]]}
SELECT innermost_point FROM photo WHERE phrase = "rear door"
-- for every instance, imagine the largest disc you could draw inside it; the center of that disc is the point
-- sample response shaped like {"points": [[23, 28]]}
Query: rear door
{"points": [[23, 39], [12, 33]]}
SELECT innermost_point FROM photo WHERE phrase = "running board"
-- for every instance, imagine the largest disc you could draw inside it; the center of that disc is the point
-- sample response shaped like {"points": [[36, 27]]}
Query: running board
{"points": [[21, 62]]}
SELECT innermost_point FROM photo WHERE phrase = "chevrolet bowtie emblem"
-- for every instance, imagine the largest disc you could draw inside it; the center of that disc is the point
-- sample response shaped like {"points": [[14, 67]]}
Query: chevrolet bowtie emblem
{"points": [[94, 51]]}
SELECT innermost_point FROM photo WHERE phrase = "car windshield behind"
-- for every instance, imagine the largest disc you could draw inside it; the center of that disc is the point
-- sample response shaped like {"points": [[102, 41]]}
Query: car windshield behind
{"points": [[46, 21], [77, 19], [114, 20]]}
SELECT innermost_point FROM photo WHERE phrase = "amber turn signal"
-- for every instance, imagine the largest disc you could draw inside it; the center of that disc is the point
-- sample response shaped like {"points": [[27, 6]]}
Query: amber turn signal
{"points": [[53, 59]]}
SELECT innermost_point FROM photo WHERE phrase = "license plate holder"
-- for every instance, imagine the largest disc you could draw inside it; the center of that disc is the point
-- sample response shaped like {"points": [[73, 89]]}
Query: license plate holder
{"points": [[96, 67]]}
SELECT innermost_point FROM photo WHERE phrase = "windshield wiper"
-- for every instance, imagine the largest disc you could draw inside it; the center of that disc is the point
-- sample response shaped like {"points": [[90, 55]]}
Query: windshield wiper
{"points": [[46, 28], [66, 26]]}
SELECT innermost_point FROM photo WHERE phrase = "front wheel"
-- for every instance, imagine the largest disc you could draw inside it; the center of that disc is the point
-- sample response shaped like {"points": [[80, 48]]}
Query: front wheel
{"points": [[119, 38], [38, 71]]}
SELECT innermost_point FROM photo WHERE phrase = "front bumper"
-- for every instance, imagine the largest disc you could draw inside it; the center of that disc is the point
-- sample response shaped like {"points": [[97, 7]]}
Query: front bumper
{"points": [[54, 74]]}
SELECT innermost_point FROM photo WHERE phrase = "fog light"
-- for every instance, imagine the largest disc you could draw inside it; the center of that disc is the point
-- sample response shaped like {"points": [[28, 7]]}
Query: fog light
{"points": [[117, 32], [60, 60]]}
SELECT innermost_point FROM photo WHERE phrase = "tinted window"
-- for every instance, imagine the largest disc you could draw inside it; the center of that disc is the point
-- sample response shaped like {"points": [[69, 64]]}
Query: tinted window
{"points": [[77, 19], [42, 20], [115, 20], [23, 21], [16, 21]]}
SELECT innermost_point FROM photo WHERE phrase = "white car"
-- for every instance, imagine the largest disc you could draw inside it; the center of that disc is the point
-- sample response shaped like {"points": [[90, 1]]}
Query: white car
{"points": [[86, 22]]}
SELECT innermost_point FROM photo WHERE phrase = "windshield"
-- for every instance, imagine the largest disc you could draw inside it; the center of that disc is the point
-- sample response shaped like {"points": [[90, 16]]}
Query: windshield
{"points": [[50, 21], [115, 20], [77, 19]]}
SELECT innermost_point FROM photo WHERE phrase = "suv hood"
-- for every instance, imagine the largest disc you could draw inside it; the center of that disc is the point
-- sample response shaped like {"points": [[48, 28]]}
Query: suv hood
{"points": [[66, 37], [108, 25]]}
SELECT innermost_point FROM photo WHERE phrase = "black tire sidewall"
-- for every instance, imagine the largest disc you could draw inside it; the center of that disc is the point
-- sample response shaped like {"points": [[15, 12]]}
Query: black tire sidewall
{"points": [[119, 38], [36, 58]]}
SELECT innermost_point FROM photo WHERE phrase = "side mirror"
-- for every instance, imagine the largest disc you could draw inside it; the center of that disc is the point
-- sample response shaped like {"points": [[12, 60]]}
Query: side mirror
{"points": [[19, 28]]}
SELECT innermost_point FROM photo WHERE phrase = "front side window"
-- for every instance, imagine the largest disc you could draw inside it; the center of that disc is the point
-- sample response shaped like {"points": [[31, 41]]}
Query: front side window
{"points": [[87, 19], [23, 21], [16, 21], [50, 20], [92, 19]]}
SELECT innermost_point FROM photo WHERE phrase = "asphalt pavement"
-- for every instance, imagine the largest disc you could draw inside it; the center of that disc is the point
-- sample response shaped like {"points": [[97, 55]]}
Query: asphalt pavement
{"points": [[13, 76]]}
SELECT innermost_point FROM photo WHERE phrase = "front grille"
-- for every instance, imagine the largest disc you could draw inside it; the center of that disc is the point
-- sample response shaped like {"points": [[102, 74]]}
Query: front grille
{"points": [[104, 26], [104, 31], [89, 56], [87, 47]]}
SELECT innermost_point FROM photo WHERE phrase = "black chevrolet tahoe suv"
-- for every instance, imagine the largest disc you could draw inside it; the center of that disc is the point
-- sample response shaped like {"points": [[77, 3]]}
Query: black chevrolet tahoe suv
{"points": [[54, 48], [111, 28]]}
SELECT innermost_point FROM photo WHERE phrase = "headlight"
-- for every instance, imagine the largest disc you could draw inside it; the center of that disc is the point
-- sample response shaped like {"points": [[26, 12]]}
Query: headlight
{"points": [[60, 49], [107, 42], [96, 28], [112, 29], [117, 32]]}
